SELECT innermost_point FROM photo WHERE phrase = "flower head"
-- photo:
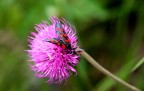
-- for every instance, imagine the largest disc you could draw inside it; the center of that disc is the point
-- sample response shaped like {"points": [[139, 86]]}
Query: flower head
{"points": [[53, 50]]}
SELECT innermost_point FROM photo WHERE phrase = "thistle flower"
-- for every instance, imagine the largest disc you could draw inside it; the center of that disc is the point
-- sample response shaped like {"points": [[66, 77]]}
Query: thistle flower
{"points": [[53, 50]]}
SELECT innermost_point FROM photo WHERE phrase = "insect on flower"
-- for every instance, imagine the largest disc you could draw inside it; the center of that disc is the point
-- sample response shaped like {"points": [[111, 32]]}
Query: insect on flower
{"points": [[63, 41], [52, 50]]}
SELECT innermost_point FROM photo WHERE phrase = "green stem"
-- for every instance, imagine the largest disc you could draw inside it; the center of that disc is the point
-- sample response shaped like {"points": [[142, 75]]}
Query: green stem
{"points": [[104, 71]]}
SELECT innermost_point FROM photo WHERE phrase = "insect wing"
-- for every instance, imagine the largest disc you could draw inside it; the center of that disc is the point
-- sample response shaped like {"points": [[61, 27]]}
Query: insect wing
{"points": [[62, 35], [57, 42], [53, 41]]}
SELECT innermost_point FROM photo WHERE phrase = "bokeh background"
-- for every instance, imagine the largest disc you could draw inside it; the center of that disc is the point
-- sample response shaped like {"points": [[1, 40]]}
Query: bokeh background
{"points": [[111, 31]]}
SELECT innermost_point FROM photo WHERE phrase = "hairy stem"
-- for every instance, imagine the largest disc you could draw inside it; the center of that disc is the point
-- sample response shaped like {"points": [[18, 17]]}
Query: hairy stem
{"points": [[104, 71]]}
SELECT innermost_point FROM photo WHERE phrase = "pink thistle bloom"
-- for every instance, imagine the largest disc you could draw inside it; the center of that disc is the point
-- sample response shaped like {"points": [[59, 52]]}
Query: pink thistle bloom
{"points": [[52, 58]]}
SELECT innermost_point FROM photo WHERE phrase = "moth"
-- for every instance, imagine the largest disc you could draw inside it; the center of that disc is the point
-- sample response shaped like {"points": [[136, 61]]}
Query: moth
{"points": [[63, 41]]}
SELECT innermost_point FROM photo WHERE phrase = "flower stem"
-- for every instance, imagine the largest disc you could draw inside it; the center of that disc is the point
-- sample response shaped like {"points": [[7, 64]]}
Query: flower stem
{"points": [[104, 71]]}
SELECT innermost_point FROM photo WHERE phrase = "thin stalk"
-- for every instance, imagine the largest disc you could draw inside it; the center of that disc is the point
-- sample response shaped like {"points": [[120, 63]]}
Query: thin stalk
{"points": [[104, 71]]}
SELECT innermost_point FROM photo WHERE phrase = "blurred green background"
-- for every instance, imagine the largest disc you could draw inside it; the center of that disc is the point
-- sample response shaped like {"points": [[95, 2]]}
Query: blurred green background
{"points": [[111, 31]]}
